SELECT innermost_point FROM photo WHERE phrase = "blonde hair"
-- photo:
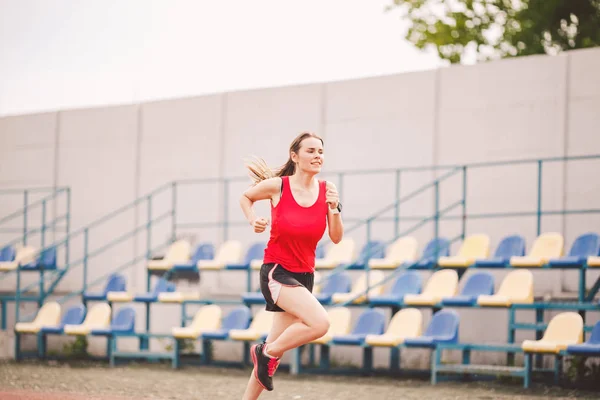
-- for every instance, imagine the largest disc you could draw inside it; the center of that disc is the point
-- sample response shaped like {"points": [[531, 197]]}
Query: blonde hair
{"points": [[258, 170]]}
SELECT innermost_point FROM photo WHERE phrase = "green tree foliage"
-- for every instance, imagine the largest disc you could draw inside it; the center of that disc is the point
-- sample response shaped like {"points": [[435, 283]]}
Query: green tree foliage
{"points": [[494, 29]]}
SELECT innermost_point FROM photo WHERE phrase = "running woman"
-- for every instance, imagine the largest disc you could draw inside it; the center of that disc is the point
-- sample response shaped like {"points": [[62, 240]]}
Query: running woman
{"points": [[302, 207]]}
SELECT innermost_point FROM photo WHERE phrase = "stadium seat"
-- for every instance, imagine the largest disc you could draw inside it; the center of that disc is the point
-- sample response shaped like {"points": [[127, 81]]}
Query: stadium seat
{"points": [[23, 256], [477, 284], [510, 246], [545, 247], [48, 315], [563, 330], [591, 347], [229, 252], [73, 316], [116, 283], [435, 249], [206, 319], [372, 249], [370, 322], [405, 324], [441, 284], [123, 323], [409, 282], [443, 328], [258, 330], [98, 317], [403, 250], [474, 247], [336, 254], [340, 320], [584, 246], [358, 292], [204, 251], [7, 254], [516, 288], [336, 283], [178, 253], [45, 260], [238, 318], [593, 261], [254, 257], [162, 286]]}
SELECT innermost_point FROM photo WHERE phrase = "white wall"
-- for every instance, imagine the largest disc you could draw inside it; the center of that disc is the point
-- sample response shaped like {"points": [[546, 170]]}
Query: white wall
{"points": [[523, 108]]}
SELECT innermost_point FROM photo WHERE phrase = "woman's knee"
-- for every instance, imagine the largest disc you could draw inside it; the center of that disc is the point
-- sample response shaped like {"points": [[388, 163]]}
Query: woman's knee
{"points": [[320, 326]]}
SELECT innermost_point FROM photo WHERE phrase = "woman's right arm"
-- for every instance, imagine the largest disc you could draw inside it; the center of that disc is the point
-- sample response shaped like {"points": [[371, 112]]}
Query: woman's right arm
{"points": [[264, 190]]}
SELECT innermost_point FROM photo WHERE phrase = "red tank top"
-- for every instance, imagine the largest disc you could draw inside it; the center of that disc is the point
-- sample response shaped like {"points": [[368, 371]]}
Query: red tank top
{"points": [[296, 230]]}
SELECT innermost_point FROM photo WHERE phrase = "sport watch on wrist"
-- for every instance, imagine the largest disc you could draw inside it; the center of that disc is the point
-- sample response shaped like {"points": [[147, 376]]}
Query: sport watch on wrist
{"points": [[338, 209]]}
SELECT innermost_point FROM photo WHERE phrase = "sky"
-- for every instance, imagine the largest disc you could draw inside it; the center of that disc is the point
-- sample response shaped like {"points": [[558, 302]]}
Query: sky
{"points": [[60, 54]]}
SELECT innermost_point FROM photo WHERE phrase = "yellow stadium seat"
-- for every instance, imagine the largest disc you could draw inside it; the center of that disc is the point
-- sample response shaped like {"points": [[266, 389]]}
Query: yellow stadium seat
{"points": [[545, 247], [593, 262], [260, 326], [403, 250], [206, 319], [563, 330], [98, 317], [516, 288], [441, 284], [339, 324], [48, 315], [229, 252], [475, 247], [406, 323], [360, 286], [337, 254], [179, 252]]}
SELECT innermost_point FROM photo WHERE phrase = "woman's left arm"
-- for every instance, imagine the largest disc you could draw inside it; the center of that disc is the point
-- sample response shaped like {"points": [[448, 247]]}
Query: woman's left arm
{"points": [[334, 217]]}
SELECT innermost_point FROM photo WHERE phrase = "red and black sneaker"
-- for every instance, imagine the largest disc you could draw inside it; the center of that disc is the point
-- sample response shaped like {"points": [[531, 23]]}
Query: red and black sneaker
{"points": [[264, 366]]}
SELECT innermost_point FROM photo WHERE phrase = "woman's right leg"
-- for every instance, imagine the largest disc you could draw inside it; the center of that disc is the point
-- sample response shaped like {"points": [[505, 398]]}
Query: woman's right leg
{"points": [[281, 321]]}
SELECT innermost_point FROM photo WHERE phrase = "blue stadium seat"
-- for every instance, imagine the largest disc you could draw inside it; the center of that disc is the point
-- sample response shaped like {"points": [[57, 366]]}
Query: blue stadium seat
{"points": [[372, 249], [115, 283], [477, 284], [441, 246], [204, 251], [255, 252], [238, 318], [123, 322], [46, 260], [337, 283], [370, 322], [73, 316], [443, 328], [583, 247], [591, 347], [510, 246], [162, 286], [409, 282], [8, 253]]}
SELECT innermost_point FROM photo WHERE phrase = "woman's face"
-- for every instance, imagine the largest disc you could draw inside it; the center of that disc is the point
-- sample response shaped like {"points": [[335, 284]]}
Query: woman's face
{"points": [[310, 156]]}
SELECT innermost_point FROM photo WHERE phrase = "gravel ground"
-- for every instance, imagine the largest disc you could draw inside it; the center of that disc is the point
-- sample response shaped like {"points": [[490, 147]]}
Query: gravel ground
{"points": [[79, 381]]}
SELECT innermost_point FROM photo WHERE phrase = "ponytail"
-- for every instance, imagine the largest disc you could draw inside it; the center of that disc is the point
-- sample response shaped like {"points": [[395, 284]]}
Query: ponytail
{"points": [[258, 170]]}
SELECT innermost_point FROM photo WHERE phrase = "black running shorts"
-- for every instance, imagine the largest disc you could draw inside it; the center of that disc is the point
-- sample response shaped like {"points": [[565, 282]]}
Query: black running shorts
{"points": [[273, 277]]}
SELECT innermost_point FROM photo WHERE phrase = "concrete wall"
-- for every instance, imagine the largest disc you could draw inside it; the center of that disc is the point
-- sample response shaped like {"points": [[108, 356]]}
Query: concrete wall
{"points": [[522, 108]]}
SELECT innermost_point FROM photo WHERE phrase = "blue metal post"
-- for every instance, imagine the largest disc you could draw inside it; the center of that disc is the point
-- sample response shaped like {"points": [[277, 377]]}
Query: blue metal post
{"points": [[3, 306], [144, 342], [25, 202], [397, 208], [42, 295], [539, 199], [367, 257]]}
